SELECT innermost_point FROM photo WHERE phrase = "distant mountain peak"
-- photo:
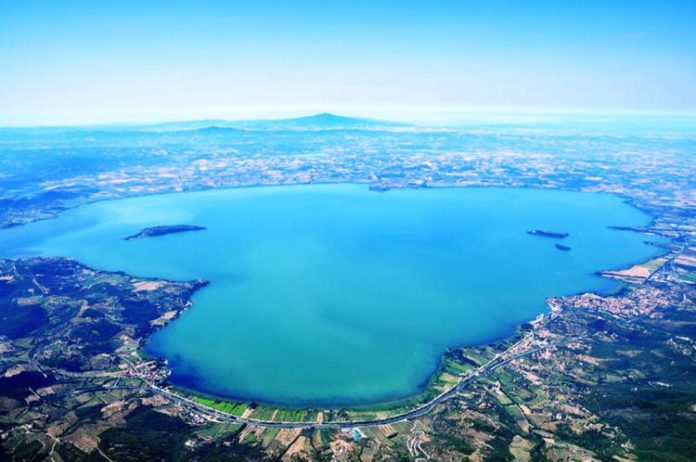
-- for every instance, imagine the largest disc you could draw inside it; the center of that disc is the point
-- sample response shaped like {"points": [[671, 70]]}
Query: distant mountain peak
{"points": [[325, 117], [328, 115], [328, 120]]}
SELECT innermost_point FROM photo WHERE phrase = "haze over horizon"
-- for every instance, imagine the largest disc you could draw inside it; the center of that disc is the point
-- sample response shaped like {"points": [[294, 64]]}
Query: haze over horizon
{"points": [[83, 63]]}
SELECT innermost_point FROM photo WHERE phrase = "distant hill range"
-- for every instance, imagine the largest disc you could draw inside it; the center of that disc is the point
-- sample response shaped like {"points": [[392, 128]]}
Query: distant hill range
{"points": [[323, 121], [317, 122]]}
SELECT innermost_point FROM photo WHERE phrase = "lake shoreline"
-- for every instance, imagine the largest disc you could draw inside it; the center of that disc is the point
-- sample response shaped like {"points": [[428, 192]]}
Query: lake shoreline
{"points": [[423, 387]]}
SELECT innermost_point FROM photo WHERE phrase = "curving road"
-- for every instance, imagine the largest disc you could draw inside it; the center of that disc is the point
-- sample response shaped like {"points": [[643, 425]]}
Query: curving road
{"points": [[495, 363]]}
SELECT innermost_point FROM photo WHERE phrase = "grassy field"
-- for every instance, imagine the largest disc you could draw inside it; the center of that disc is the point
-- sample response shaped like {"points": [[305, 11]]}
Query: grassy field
{"points": [[227, 407], [290, 415]]}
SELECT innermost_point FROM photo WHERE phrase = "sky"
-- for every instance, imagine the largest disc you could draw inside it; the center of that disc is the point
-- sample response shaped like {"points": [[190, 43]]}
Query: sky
{"points": [[81, 62]]}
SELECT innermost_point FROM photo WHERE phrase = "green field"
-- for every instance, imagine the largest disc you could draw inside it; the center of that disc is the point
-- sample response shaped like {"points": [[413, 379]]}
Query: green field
{"points": [[227, 407]]}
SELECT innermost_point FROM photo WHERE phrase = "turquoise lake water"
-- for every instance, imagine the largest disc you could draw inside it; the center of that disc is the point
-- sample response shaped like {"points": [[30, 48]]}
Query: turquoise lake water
{"points": [[334, 294]]}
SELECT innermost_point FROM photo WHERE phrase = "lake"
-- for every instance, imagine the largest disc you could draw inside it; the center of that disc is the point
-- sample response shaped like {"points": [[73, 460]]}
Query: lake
{"points": [[333, 295]]}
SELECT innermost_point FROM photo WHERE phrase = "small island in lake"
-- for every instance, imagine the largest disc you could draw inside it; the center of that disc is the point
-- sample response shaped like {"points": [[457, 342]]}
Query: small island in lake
{"points": [[554, 234], [156, 231], [564, 248]]}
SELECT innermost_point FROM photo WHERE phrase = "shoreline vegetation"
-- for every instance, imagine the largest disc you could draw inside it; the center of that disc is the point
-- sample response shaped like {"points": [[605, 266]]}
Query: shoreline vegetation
{"points": [[454, 366], [459, 367]]}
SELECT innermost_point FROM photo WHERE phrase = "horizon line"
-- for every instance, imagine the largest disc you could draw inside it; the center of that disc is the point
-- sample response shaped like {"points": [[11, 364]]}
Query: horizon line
{"points": [[440, 114]]}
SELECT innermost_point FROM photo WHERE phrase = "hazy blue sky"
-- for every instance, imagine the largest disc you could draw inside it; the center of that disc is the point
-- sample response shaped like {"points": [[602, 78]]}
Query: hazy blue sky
{"points": [[92, 61]]}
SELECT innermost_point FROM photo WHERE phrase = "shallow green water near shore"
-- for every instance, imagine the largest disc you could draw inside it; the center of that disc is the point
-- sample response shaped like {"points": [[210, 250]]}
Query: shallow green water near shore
{"points": [[332, 295]]}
